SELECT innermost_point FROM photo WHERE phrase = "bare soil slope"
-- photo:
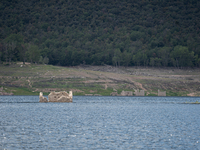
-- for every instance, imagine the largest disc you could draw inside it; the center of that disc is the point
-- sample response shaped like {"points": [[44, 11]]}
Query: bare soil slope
{"points": [[99, 80]]}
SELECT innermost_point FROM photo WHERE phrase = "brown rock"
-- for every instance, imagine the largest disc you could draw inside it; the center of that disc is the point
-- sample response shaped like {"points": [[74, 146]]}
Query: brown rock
{"points": [[60, 96], [42, 98]]}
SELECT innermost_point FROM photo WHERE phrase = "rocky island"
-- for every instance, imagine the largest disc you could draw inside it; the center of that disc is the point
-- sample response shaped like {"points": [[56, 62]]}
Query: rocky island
{"points": [[57, 97]]}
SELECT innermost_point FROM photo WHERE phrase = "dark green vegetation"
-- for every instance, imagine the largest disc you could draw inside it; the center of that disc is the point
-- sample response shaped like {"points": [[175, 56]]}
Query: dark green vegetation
{"points": [[115, 32], [30, 79]]}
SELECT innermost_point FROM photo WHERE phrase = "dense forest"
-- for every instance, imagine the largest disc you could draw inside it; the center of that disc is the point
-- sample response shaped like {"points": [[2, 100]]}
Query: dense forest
{"points": [[116, 32]]}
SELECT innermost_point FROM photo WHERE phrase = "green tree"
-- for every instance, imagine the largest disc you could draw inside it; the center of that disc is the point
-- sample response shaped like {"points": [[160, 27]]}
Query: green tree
{"points": [[11, 50], [1, 50], [12, 42], [157, 62], [126, 58], [196, 60], [135, 35], [182, 56], [33, 53], [23, 52], [163, 53], [96, 29], [40, 60], [6, 52], [117, 57], [152, 62], [140, 58], [44, 60]]}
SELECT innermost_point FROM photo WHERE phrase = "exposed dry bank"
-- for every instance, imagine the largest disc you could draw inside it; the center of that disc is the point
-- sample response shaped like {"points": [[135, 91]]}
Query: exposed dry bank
{"points": [[29, 79]]}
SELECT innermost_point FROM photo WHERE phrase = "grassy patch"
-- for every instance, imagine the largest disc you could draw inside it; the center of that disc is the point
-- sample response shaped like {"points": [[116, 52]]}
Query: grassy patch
{"points": [[95, 89], [104, 92], [172, 93], [20, 91], [152, 94], [78, 94], [22, 80]]}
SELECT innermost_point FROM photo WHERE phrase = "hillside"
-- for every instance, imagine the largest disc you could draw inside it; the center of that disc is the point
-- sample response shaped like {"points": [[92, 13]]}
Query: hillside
{"points": [[119, 33], [30, 79]]}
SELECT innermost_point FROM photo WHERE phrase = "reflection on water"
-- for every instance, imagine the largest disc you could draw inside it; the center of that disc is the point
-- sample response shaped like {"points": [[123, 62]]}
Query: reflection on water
{"points": [[100, 123]]}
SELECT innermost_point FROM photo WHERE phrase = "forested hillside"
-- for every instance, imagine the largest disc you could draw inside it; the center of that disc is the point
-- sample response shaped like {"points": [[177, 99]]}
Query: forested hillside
{"points": [[113, 32]]}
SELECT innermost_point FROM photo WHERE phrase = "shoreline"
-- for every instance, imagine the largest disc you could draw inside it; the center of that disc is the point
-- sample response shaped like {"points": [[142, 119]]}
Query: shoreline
{"points": [[30, 79]]}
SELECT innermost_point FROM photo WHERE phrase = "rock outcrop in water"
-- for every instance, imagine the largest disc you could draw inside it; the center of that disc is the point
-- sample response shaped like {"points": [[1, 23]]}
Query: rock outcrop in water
{"points": [[57, 97], [60, 96], [42, 98]]}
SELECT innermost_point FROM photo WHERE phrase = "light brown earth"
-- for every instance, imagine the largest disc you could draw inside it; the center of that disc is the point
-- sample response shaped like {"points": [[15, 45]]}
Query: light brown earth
{"points": [[94, 79]]}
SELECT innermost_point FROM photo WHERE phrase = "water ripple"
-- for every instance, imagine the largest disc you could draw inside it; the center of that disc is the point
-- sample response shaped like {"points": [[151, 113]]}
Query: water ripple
{"points": [[99, 123]]}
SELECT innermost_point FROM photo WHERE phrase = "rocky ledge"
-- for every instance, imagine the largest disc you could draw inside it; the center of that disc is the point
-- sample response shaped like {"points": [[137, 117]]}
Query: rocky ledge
{"points": [[57, 97]]}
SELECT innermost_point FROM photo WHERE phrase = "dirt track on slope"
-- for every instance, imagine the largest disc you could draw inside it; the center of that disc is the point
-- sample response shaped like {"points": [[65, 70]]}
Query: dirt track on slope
{"points": [[47, 77]]}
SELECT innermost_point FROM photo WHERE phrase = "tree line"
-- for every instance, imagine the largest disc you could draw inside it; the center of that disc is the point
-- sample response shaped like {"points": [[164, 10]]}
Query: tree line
{"points": [[120, 33]]}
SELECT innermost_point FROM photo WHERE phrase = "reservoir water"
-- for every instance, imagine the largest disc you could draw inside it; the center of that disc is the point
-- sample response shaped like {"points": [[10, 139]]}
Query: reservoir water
{"points": [[100, 123]]}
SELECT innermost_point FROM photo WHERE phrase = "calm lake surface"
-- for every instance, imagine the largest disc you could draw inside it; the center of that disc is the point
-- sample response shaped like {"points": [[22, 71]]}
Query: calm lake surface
{"points": [[100, 123]]}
